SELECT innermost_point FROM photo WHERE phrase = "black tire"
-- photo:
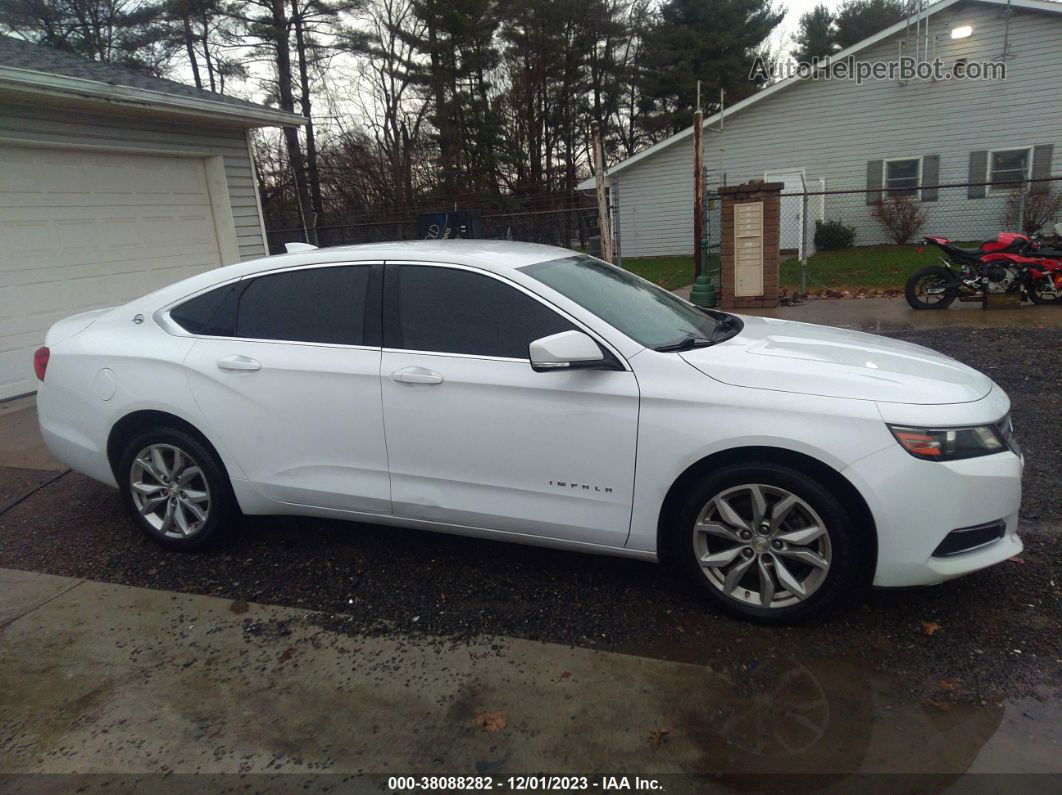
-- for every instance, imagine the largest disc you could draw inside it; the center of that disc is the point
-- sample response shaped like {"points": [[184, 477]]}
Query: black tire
{"points": [[219, 507], [927, 276], [1036, 298], [844, 547]]}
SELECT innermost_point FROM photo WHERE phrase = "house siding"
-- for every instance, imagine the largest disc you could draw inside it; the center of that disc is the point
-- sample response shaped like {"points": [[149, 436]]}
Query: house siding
{"points": [[831, 129], [48, 125]]}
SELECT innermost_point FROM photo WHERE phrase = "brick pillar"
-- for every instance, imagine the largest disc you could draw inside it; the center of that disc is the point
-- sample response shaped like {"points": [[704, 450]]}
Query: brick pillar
{"points": [[767, 195]]}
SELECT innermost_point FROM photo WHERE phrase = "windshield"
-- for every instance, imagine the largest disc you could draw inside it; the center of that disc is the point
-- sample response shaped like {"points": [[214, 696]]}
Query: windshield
{"points": [[644, 312]]}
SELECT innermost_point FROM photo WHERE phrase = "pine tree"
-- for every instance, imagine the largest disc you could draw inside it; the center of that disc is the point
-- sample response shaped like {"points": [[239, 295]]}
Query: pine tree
{"points": [[713, 41], [816, 37]]}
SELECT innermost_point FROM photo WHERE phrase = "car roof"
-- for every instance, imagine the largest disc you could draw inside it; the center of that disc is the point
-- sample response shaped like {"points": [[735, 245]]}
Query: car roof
{"points": [[497, 256], [491, 255]]}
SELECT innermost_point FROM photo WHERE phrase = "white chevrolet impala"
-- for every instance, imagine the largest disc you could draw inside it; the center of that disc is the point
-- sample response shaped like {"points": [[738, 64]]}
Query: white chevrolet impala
{"points": [[529, 393]]}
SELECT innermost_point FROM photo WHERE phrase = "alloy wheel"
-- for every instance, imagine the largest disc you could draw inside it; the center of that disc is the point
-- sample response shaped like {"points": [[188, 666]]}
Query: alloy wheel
{"points": [[931, 290], [170, 490], [762, 546]]}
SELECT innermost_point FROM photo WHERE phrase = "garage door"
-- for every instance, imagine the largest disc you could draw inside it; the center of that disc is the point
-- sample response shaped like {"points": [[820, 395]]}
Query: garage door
{"points": [[82, 230]]}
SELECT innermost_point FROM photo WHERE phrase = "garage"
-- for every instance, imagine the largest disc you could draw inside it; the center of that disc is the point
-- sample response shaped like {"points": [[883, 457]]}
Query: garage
{"points": [[112, 184], [83, 230]]}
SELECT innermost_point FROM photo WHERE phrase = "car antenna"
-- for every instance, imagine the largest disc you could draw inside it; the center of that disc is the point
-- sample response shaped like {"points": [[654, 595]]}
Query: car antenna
{"points": [[294, 248]]}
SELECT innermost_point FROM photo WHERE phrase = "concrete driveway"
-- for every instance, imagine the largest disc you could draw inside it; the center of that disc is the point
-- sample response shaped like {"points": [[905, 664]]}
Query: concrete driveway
{"points": [[324, 648]]}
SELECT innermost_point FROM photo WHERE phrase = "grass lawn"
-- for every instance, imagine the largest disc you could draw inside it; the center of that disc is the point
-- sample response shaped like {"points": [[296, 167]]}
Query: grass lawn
{"points": [[668, 272], [863, 267]]}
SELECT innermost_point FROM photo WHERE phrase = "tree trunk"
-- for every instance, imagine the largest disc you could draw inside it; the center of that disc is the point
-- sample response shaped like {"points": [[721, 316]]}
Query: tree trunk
{"points": [[313, 173], [287, 102], [189, 45]]}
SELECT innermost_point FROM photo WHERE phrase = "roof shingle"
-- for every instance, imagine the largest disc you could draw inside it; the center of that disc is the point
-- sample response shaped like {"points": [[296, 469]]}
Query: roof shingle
{"points": [[21, 54]]}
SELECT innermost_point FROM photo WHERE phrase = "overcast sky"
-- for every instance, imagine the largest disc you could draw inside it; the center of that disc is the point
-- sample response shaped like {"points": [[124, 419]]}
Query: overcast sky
{"points": [[794, 8]]}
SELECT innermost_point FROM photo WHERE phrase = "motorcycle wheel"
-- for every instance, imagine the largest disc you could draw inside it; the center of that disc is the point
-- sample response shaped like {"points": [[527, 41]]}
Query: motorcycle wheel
{"points": [[1046, 297], [934, 278]]}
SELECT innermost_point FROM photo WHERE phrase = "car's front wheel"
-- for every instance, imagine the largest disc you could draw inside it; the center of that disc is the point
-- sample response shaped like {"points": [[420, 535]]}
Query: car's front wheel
{"points": [[174, 488], [766, 542]]}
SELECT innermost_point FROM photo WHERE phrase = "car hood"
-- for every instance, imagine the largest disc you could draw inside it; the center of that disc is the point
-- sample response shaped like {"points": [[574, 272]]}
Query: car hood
{"points": [[819, 360]]}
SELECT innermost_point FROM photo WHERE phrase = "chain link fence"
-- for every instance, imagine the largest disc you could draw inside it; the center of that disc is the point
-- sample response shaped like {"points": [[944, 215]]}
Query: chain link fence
{"points": [[831, 220], [856, 230], [569, 227]]}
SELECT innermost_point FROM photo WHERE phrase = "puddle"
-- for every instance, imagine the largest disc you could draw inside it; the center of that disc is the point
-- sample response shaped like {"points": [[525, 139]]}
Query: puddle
{"points": [[754, 724]]}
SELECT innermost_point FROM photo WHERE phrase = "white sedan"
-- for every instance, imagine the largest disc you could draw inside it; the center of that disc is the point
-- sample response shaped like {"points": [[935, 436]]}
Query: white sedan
{"points": [[529, 393]]}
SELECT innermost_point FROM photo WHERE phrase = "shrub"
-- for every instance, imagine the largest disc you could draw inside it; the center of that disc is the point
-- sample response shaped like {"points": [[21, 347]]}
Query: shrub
{"points": [[1042, 205], [833, 236], [901, 216]]}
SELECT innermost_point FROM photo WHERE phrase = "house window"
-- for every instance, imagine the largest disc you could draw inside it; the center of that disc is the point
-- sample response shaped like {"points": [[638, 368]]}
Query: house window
{"points": [[903, 176], [1008, 166]]}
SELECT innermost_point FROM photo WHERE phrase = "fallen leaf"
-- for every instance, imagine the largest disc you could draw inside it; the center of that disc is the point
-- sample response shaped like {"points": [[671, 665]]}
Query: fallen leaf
{"points": [[490, 721], [658, 737], [1016, 559], [930, 628], [940, 706], [239, 606], [287, 654], [566, 675], [949, 685]]}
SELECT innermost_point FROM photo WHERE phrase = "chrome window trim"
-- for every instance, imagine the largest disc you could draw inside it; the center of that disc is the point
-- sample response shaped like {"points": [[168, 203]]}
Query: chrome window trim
{"points": [[163, 320]]}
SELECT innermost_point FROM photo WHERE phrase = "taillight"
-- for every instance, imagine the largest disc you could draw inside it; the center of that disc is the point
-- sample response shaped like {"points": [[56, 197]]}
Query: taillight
{"points": [[40, 362]]}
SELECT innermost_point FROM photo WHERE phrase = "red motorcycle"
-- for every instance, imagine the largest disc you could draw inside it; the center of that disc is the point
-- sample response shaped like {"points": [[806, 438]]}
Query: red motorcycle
{"points": [[1009, 263]]}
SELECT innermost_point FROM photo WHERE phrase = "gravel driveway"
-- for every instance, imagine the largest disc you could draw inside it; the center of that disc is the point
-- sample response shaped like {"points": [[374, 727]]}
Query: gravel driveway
{"points": [[983, 637]]}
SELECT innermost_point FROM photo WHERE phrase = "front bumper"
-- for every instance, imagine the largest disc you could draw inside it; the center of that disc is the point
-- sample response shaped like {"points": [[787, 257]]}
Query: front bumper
{"points": [[916, 504]]}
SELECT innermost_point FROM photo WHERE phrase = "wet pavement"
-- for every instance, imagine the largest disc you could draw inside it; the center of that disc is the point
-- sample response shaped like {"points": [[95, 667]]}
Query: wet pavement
{"points": [[104, 679], [408, 634]]}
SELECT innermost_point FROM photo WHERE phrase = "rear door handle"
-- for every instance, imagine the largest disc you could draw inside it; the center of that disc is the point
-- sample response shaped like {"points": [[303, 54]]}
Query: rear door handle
{"points": [[416, 375], [237, 362]]}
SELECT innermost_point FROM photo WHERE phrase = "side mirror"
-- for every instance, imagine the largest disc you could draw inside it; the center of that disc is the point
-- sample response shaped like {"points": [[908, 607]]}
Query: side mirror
{"points": [[1058, 230], [569, 350]]}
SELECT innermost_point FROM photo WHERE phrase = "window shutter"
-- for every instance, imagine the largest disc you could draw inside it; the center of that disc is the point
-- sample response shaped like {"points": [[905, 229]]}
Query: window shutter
{"points": [[930, 177], [874, 176], [978, 173], [1041, 165]]}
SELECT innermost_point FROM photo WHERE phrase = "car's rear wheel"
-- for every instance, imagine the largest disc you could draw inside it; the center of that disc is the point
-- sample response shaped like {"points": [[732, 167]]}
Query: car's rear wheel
{"points": [[174, 488], [766, 542]]}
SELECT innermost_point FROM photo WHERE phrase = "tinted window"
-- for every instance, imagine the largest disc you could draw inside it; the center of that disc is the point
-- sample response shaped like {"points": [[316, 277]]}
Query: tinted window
{"points": [[455, 311], [316, 305], [213, 313], [324, 305]]}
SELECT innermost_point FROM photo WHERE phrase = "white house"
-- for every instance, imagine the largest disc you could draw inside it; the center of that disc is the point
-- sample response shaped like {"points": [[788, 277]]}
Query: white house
{"points": [[839, 134], [112, 184]]}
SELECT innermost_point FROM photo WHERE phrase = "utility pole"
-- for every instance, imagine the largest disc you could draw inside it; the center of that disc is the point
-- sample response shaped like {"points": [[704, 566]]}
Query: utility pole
{"points": [[698, 186], [603, 225]]}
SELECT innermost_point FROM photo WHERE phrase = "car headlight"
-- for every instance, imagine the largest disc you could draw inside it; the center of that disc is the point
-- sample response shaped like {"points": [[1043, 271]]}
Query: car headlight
{"points": [[949, 444]]}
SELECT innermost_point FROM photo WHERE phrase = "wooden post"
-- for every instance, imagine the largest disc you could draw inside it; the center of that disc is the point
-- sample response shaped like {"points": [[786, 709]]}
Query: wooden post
{"points": [[603, 225], [698, 191]]}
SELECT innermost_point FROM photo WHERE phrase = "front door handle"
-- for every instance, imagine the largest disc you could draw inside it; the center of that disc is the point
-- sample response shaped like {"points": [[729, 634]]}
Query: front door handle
{"points": [[237, 362], [416, 375]]}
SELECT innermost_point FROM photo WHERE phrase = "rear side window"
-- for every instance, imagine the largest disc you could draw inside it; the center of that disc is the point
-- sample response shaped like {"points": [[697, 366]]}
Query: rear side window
{"points": [[447, 310], [212, 314], [323, 305]]}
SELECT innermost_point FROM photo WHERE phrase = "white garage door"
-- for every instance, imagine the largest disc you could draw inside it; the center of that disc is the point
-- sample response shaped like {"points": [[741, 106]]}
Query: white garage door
{"points": [[81, 230]]}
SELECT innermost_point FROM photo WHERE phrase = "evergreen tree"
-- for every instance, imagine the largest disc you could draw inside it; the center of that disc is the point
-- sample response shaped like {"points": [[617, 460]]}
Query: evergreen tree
{"points": [[858, 19], [816, 36], [713, 41]]}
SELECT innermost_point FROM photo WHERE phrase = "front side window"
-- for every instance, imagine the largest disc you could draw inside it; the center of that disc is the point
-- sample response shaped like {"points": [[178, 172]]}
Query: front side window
{"points": [[322, 305], [902, 177], [1009, 166], [644, 312], [446, 310]]}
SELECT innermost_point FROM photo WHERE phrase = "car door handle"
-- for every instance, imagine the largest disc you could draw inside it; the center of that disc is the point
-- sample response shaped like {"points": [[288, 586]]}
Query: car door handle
{"points": [[237, 362], [416, 375]]}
